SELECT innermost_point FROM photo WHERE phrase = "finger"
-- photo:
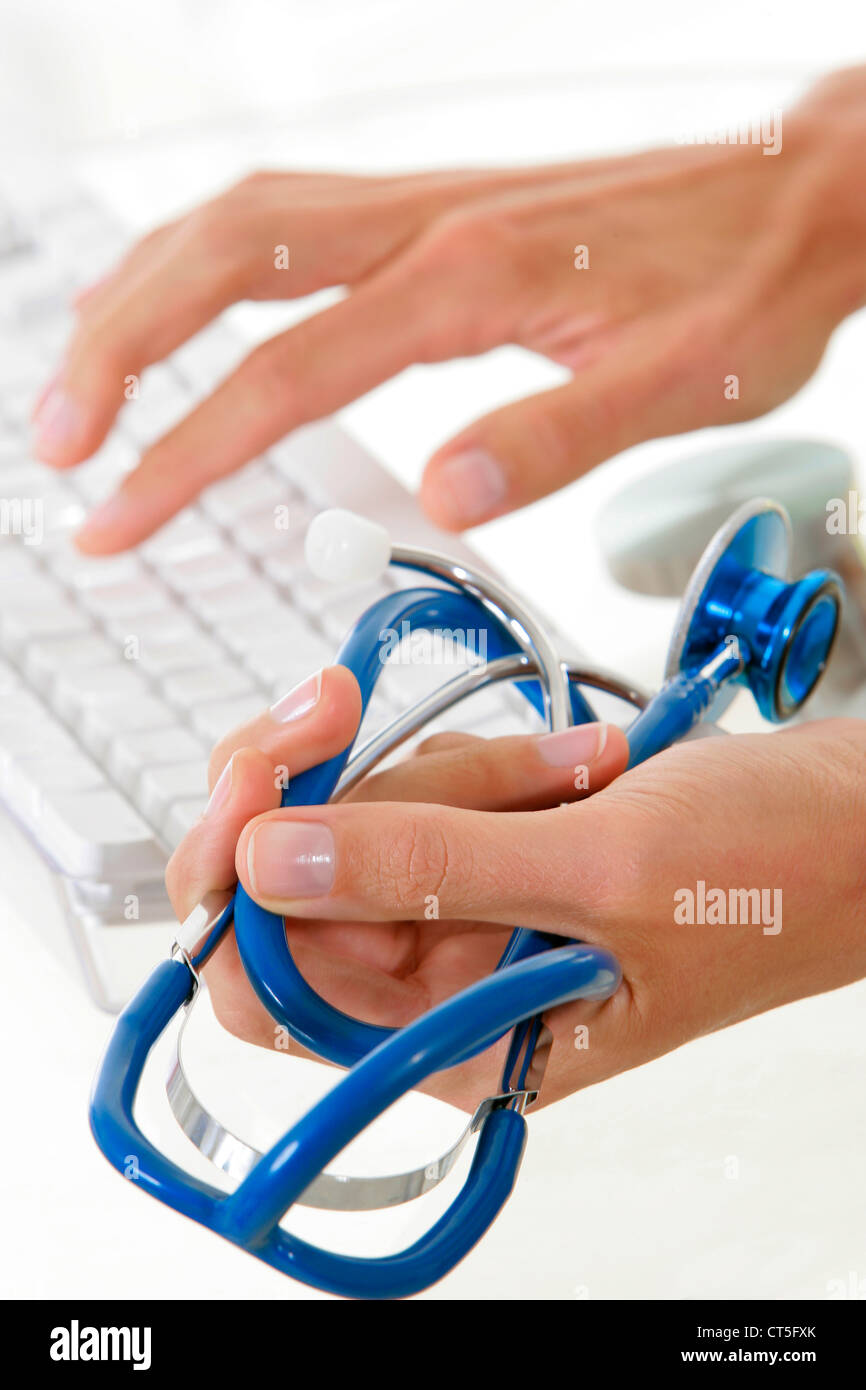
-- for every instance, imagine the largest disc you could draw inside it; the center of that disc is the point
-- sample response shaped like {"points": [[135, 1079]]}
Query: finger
{"points": [[524, 772], [204, 860], [204, 863], [303, 374], [306, 726], [124, 327], [322, 720], [134, 261], [388, 861], [663, 378]]}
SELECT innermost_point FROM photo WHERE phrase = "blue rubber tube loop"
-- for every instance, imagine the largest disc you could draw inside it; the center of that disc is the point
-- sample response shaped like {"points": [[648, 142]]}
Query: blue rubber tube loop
{"points": [[249, 1217], [261, 938]]}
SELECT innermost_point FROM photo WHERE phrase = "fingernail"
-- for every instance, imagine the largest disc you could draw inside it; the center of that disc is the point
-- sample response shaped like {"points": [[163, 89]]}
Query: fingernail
{"points": [[291, 859], [58, 425], [470, 486], [86, 291], [108, 515], [222, 790], [46, 391], [299, 701], [582, 743]]}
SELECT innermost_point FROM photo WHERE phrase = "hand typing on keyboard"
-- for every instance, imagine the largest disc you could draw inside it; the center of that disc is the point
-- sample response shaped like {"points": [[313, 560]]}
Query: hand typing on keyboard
{"points": [[687, 277], [117, 674], [406, 892]]}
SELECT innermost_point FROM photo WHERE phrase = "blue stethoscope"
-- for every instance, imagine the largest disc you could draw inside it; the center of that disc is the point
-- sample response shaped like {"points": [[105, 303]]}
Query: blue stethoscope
{"points": [[741, 623]]}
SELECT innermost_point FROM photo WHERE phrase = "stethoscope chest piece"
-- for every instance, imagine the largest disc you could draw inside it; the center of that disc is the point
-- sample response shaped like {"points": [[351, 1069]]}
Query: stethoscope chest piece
{"points": [[742, 622], [740, 593]]}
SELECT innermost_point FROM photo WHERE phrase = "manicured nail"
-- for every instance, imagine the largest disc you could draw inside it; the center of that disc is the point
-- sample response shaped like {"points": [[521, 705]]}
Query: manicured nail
{"points": [[470, 486], [581, 744], [291, 859], [58, 425], [80, 296], [222, 790], [49, 387], [106, 518], [299, 701]]}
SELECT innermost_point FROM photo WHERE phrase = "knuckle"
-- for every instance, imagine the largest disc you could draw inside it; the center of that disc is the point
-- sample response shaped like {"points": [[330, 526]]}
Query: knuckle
{"points": [[466, 261], [462, 241], [269, 377], [416, 861]]}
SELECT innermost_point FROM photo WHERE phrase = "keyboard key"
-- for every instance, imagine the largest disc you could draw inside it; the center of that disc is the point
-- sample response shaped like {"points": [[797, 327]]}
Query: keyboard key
{"points": [[79, 689], [62, 510], [278, 627], [16, 403], [127, 601], [18, 564], [160, 787], [181, 819], [33, 589], [24, 623], [218, 718], [208, 357], [171, 624], [187, 535], [247, 598], [255, 486], [161, 404], [189, 689], [298, 458], [162, 658], [133, 753], [279, 667], [285, 564], [82, 572], [32, 776], [265, 532], [95, 834], [29, 730], [102, 723], [210, 570], [51, 657], [105, 471]]}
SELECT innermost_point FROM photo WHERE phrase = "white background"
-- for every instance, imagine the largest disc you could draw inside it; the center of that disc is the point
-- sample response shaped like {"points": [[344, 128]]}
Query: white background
{"points": [[624, 1190]]}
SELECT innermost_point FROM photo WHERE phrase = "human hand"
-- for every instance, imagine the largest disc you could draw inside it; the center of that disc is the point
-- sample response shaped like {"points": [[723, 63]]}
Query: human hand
{"points": [[705, 263], [385, 972], [486, 837]]}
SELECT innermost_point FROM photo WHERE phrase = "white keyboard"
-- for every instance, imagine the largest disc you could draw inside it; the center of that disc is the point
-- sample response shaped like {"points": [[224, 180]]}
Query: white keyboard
{"points": [[117, 675]]}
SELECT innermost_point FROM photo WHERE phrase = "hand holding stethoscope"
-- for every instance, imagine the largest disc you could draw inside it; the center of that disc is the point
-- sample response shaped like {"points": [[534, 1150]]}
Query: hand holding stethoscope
{"points": [[741, 622], [744, 811]]}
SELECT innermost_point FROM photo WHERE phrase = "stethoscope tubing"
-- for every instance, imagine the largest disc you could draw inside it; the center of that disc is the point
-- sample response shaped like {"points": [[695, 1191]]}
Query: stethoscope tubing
{"points": [[250, 1216]]}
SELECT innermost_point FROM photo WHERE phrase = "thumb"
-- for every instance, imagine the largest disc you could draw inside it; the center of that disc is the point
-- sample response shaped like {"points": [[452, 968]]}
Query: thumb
{"points": [[387, 861], [532, 447]]}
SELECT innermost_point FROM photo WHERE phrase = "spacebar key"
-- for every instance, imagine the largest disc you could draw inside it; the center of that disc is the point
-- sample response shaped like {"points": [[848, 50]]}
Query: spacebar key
{"points": [[97, 835]]}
